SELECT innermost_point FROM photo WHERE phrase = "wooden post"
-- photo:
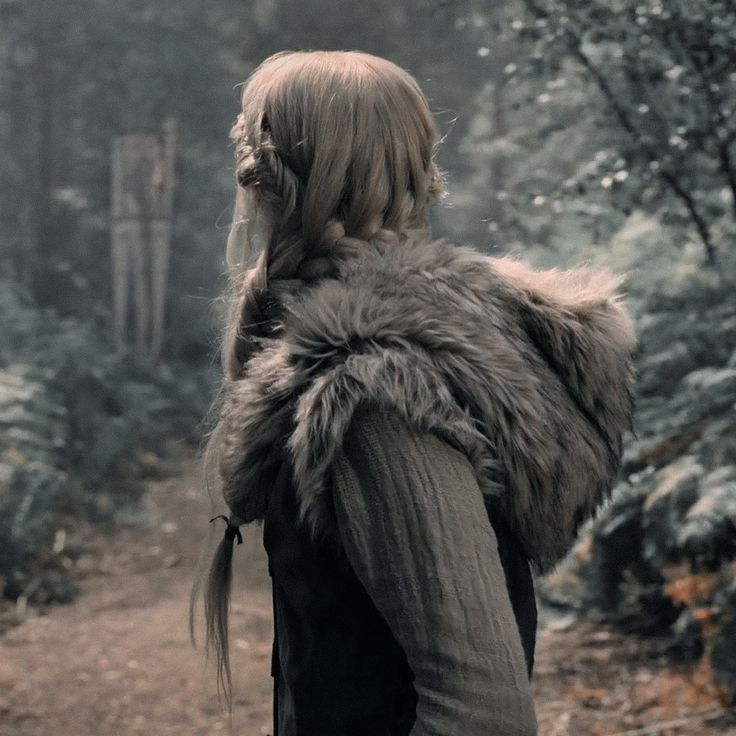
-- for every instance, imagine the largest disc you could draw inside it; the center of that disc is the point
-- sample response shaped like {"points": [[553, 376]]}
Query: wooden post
{"points": [[142, 198]]}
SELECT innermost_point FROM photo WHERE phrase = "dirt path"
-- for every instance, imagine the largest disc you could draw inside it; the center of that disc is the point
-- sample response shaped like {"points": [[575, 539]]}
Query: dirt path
{"points": [[118, 661]]}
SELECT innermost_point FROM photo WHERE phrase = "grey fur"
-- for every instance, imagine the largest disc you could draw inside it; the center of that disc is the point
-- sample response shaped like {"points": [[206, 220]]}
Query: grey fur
{"points": [[530, 372]]}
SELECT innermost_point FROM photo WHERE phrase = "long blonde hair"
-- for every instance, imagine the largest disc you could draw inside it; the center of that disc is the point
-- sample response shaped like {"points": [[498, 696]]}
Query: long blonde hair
{"points": [[334, 150]]}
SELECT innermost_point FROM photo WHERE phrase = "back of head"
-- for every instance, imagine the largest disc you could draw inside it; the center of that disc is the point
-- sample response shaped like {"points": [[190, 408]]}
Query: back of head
{"points": [[332, 148], [334, 153]]}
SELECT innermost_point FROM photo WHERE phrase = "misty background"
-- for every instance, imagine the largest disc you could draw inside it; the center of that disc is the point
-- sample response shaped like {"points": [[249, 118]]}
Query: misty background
{"points": [[571, 132]]}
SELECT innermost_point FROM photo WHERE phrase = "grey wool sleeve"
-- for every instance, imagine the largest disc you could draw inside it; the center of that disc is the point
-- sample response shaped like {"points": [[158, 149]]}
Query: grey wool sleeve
{"points": [[416, 532]]}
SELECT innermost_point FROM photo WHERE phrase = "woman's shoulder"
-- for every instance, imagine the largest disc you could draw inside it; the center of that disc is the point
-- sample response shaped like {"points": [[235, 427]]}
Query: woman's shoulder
{"points": [[379, 431], [385, 453]]}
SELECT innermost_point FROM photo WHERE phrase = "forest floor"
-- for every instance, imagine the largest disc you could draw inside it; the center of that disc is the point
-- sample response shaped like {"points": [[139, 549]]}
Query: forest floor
{"points": [[118, 661]]}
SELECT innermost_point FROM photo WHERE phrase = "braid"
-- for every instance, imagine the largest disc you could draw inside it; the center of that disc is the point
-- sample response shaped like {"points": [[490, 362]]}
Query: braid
{"points": [[336, 151], [257, 307], [251, 318]]}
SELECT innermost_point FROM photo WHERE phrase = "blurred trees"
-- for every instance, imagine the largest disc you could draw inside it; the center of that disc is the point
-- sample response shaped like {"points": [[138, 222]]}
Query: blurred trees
{"points": [[74, 75], [650, 84], [529, 142], [561, 118], [667, 72]]}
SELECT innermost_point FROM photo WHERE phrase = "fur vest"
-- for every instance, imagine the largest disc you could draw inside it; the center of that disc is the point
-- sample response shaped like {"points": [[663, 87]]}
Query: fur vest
{"points": [[529, 372]]}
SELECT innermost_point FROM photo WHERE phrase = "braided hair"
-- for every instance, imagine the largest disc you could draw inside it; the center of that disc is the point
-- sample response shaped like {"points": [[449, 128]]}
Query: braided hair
{"points": [[334, 153], [329, 146]]}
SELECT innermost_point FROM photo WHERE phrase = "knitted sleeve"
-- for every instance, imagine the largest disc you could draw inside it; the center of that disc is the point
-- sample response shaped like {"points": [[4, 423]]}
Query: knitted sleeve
{"points": [[415, 529]]}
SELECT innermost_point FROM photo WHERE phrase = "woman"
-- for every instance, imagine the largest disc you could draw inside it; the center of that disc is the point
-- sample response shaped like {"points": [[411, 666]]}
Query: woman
{"points": [[416, 423]]}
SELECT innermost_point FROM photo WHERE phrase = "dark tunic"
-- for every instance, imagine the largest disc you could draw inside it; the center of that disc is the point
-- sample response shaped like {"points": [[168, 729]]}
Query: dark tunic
{"points": [[343, 605]]}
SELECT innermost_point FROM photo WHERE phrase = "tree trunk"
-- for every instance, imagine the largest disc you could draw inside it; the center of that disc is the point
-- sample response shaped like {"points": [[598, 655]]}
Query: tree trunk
{"points": [[499, 130], [43, 171]]}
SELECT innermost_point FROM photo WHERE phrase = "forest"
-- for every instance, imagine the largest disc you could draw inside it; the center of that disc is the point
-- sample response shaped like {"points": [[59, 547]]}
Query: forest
{"points": [[570, 132]]}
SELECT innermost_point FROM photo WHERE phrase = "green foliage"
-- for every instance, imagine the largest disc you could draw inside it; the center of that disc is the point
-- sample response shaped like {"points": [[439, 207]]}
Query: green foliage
{"points": [[594, 110], [79, 428], [665, 73]]}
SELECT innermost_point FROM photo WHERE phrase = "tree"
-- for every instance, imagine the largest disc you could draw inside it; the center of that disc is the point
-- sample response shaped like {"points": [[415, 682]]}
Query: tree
{"points": [[73, 76], [666, 74]]}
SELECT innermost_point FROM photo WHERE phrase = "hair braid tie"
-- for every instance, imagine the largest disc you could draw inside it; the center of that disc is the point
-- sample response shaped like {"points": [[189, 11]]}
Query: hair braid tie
{"points": [[232, 527]]}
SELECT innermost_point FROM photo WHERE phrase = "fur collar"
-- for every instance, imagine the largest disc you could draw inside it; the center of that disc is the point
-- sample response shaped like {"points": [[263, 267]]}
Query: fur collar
{"points": [[530, 372]]}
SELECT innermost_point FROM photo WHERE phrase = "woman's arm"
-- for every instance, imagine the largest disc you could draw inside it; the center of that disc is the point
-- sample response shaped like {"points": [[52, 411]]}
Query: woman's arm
{"points": [[415, 529]]}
